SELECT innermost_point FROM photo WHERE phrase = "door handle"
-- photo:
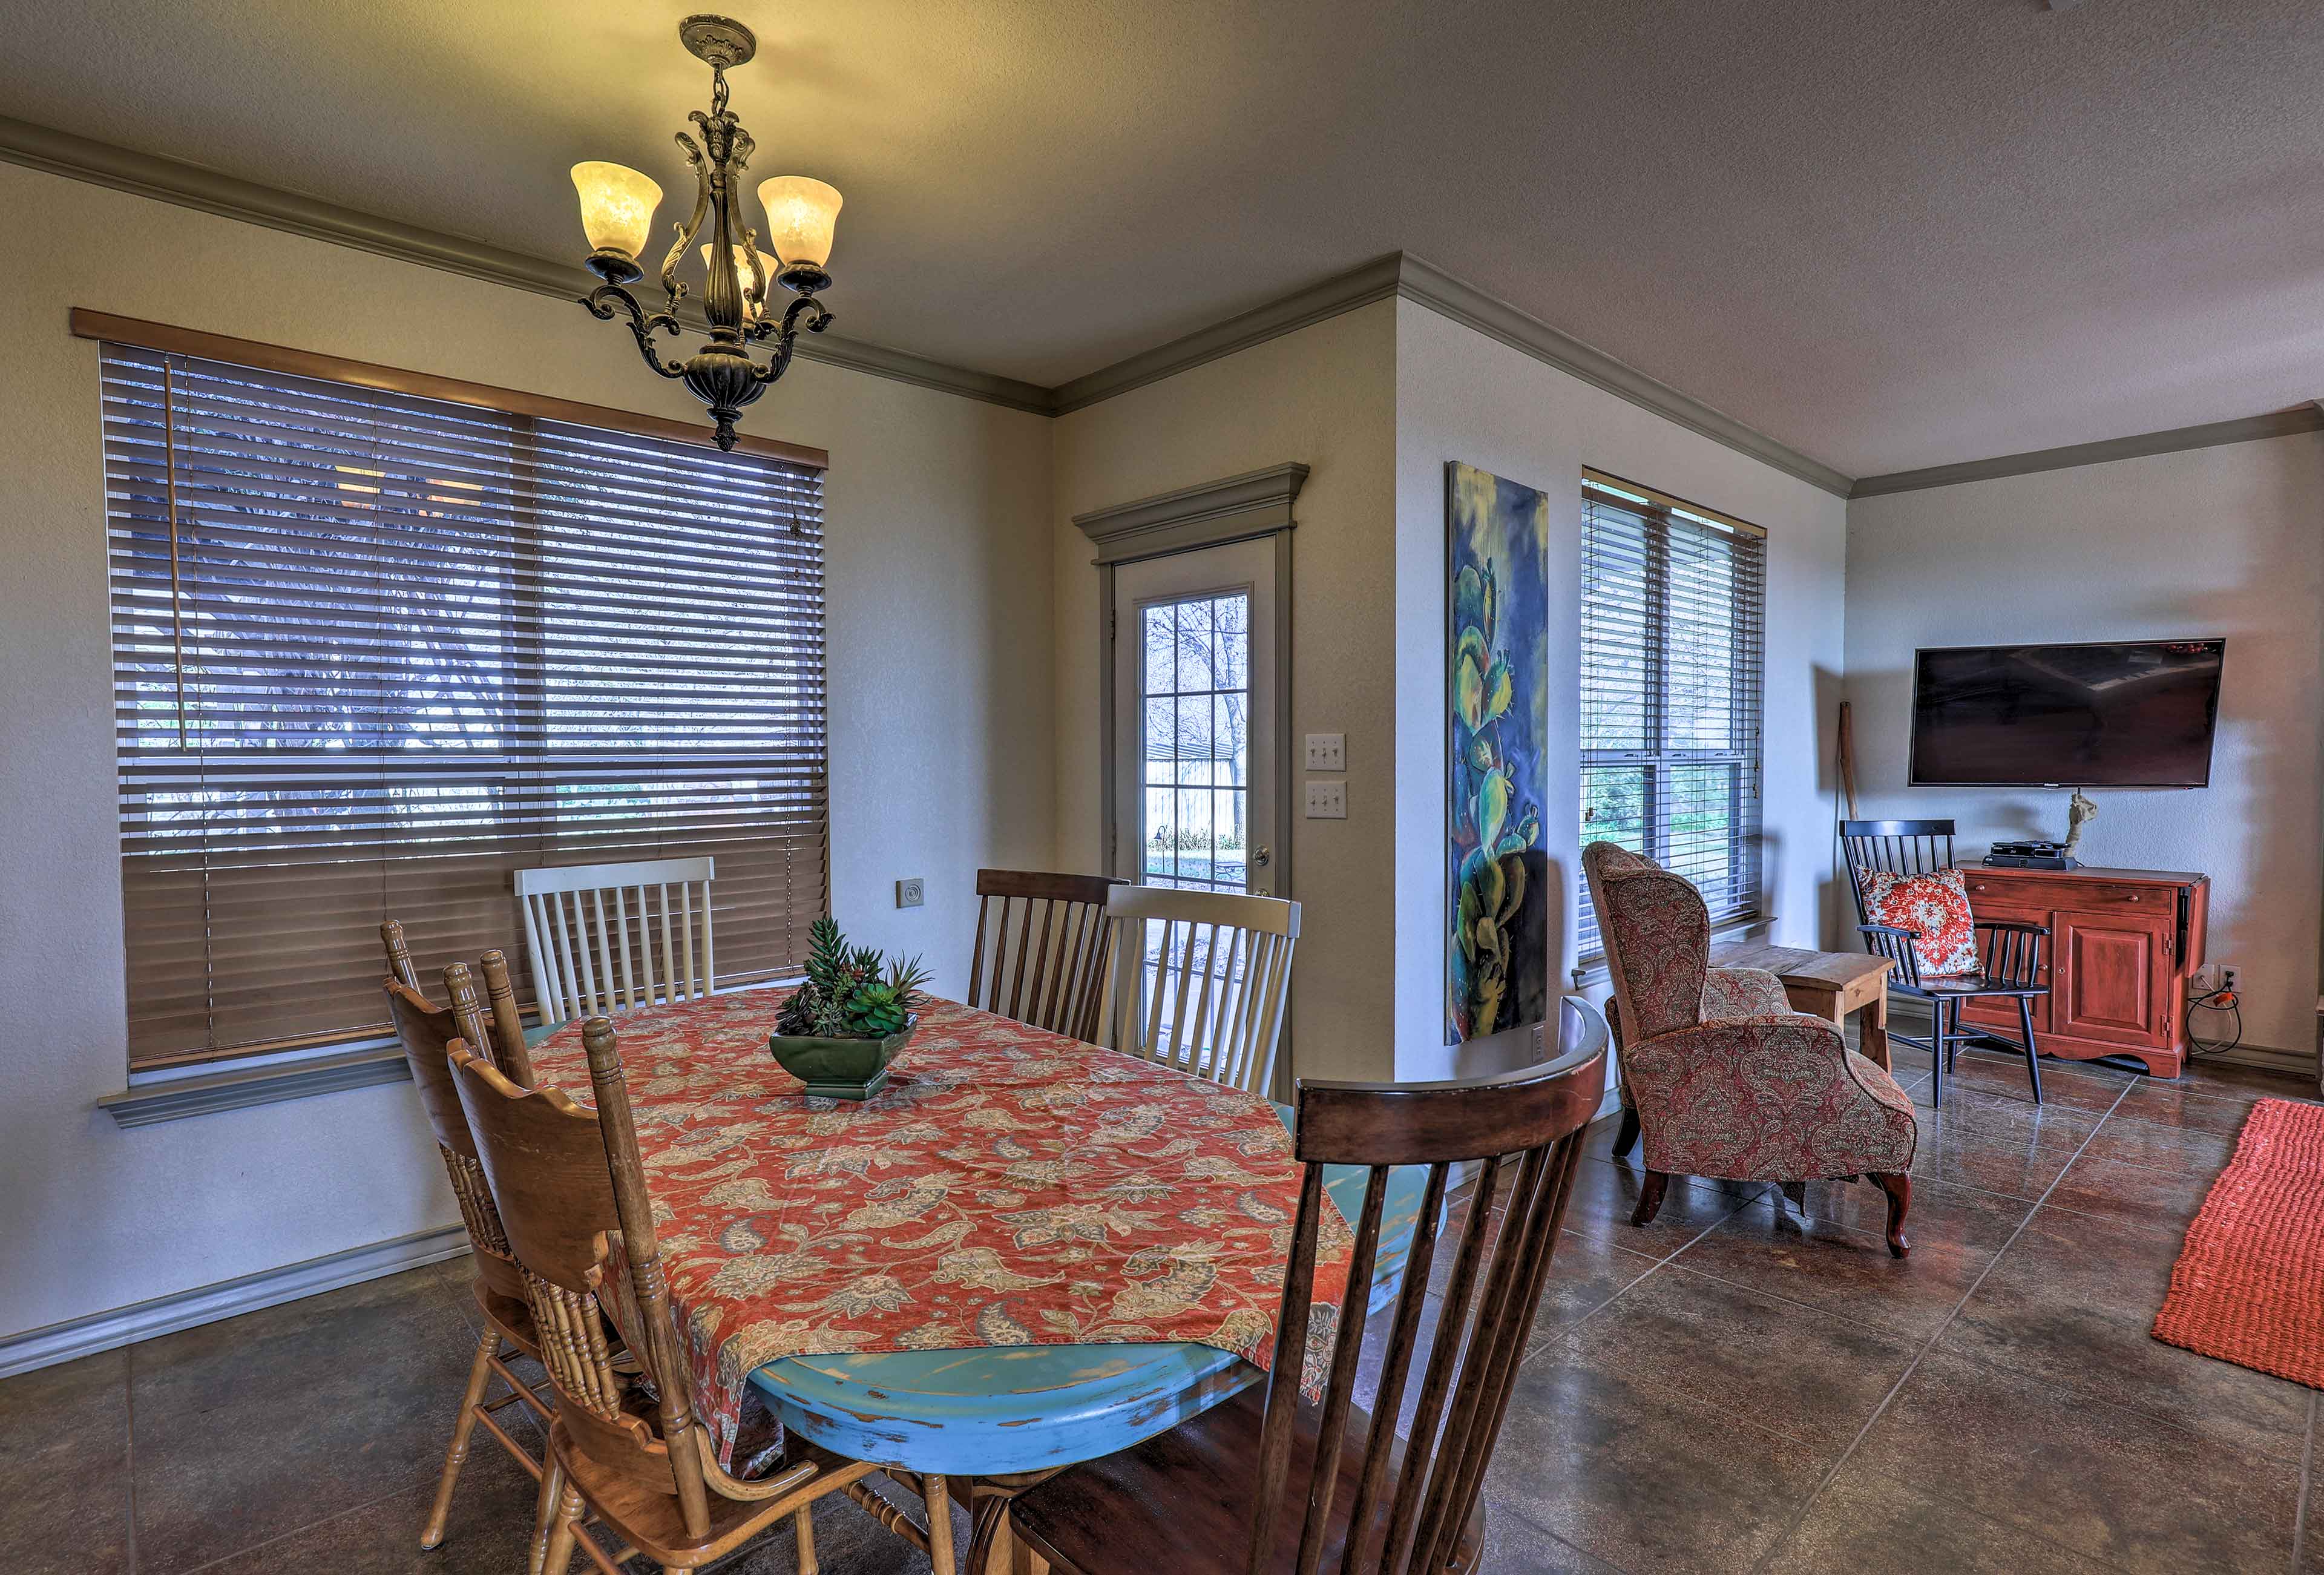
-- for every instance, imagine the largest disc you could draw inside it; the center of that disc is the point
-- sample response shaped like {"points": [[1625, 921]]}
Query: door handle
{"points": [[1259, 857]]}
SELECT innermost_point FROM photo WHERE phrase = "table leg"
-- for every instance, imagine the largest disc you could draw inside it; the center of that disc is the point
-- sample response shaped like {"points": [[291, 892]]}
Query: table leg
{"points": [[994, 1548], [1876, 1030]]}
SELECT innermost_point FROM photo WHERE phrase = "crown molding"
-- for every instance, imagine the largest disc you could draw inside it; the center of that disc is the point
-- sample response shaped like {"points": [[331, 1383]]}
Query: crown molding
{"points": [[1344, 292], [1414, 279], [1423, 282], [2307, 417], [173, 181], [1256, 503]]}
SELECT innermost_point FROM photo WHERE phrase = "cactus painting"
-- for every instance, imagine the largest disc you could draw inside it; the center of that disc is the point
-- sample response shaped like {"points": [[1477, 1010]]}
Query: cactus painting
{"points": [[1498, 953]]}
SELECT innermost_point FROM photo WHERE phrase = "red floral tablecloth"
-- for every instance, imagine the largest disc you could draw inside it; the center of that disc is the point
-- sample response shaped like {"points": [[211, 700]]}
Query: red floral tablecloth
{"points": [[1010, 1186]]}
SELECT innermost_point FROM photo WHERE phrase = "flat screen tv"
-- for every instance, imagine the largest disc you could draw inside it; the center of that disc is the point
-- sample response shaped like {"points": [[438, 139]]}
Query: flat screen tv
{"points": [[2130, 713]]}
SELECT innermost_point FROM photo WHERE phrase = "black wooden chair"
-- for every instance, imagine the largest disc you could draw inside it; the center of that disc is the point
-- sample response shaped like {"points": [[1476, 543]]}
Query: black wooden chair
{"points": [[1213, 1495], [2009, 951]]}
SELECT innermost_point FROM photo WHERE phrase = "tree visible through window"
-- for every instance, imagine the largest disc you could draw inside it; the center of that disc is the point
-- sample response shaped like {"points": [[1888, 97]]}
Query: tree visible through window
{"points": [[1673, 604], [373, 652]]}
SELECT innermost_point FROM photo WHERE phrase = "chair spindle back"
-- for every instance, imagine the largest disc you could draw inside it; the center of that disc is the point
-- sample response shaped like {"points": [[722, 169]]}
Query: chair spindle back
{"points": [[1044, 943], [572, 1194], [1898, 847], [1533, 1119], [605, 937], [1201, 979], [427, 1033]]}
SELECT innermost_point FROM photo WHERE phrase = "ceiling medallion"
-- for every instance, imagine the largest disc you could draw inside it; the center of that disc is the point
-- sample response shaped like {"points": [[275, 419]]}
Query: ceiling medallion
{"points": [[617, 208]]}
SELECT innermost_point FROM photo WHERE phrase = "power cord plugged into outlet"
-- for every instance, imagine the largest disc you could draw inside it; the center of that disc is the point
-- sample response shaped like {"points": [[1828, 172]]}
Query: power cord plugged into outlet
{"points": [[2219, 989]]}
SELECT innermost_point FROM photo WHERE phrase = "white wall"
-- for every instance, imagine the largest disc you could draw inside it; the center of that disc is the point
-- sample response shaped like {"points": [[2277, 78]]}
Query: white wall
{"points": [[1461, 395], [2227, 541], [940, 726], [1325, 397]]}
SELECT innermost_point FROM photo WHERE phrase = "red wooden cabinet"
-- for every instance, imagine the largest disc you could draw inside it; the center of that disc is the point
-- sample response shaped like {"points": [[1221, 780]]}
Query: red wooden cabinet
{"points": [[2122, 945]]}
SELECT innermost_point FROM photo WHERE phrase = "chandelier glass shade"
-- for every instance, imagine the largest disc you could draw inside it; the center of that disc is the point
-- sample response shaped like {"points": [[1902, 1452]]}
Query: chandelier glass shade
{"points": [[617, 208]]}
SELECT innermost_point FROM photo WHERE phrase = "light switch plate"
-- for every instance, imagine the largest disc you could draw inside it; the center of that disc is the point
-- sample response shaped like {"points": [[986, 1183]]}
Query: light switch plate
{"points": [[1327, 801], [1327, 751], [912, 893]]}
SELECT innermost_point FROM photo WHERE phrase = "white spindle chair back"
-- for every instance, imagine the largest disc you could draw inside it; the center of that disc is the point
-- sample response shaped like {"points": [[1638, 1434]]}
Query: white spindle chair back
{"points": [[607, 938], [1200, 980]]}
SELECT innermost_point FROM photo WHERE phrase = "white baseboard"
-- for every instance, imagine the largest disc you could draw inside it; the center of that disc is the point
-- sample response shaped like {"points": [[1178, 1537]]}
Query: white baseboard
{"points": [[80, 1337]]}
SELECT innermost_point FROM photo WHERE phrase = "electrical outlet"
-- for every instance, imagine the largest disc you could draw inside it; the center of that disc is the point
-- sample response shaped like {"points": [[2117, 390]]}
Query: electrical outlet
{"points": [[1539, 1055], [1327, 801], [2231, 978], [1327, 751], [2206, 979], [912, 893]]}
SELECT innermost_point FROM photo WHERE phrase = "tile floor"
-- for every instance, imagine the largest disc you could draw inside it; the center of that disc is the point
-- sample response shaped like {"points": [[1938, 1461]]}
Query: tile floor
{"points": [[1736, 1387]]}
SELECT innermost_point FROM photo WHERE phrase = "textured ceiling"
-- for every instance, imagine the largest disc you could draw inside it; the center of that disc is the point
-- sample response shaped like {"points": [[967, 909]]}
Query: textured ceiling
{"points": [[1889, 235]]}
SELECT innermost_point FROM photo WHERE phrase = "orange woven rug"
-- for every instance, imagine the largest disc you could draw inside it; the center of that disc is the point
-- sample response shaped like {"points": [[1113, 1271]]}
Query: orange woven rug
{"points": [[2249, 1284]]}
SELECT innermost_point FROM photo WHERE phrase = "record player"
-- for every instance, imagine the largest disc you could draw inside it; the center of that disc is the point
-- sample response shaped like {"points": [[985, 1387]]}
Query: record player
{"points": [[2033, 855]]}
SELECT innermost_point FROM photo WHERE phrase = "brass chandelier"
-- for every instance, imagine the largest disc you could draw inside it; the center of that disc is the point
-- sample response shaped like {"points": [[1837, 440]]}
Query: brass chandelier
{"points": [[617, 208]]}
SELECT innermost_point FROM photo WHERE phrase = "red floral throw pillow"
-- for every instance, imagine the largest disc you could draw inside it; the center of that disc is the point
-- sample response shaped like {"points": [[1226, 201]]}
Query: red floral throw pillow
{"points": [[1936, 907]]}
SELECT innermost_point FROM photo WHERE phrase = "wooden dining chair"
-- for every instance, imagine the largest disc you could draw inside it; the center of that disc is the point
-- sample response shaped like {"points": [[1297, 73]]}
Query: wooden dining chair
{"points": [[1044, 943], [1199, 979], [604, 938], [624, 1446], [1218, 1493], [2008, 951], [510, 1043], [427, 1033]]}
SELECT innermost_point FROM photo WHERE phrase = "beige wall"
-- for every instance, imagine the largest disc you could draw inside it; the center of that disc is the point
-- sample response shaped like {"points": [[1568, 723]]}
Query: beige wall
{"points": [[2215, 541], [940, 726], [1461, 395], [1375, 402], [1325, 397]]}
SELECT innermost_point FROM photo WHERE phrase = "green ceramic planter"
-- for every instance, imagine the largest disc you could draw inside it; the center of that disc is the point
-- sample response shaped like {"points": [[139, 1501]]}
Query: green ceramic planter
{"points": [[839, 1069]]}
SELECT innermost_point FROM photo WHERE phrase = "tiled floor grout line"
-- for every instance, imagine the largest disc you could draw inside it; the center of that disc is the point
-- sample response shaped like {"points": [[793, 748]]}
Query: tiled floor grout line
{"points": [[1918, 1357], [299, 1531], [1659, 1263], [2306, 1486]]}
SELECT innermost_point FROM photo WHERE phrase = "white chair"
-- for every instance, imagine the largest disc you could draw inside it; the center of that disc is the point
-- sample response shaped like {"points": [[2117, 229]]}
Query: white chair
{"points": [[1200, 978], [580, 923]]}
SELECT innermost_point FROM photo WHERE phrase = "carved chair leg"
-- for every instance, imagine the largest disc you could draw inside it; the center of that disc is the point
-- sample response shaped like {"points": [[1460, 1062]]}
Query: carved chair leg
{"points": [[807, 1564], [480, 1373], [1625, 1137], [544, 1515], [935, 1493], [1899, 1188], [557, 1558], [2033, 1057], [1650, 1198]]}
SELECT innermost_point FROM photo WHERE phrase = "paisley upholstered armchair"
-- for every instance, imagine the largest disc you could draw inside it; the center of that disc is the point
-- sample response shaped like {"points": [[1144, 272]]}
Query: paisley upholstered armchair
{"points": [[1727, 1081]]}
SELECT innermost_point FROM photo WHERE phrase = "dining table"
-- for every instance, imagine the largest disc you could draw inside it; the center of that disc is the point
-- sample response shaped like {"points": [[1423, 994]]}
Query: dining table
{"points": [[1012, 1120]]}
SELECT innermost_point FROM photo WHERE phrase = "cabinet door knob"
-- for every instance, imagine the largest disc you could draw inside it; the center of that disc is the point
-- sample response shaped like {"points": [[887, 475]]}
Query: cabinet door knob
{"points": [[2132, 898]]}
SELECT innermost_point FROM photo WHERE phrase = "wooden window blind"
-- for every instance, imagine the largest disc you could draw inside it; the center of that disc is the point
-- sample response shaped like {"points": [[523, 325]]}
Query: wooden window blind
{"points": [[373, 652], [1673, 600]]}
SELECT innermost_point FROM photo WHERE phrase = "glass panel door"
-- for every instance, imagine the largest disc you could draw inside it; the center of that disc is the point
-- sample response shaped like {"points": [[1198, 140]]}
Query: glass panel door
{"points": [[1195, 697], [1195, 749]]}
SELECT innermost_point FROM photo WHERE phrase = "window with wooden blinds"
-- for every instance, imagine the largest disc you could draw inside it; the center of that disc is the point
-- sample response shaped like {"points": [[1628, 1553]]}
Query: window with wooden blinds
{"points": [[1673, 606], [375, 652]]}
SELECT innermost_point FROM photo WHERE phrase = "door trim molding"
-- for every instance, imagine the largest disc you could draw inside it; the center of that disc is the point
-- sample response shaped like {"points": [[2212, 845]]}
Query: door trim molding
{"points": [[1236, 508]]}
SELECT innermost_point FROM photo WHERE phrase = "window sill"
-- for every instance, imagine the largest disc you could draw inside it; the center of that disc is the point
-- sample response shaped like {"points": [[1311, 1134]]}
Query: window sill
{"points": [[173, 1099]]}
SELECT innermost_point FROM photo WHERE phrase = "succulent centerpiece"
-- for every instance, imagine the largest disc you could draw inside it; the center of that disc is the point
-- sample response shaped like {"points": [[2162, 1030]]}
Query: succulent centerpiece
{"points": [[840, 1028]]}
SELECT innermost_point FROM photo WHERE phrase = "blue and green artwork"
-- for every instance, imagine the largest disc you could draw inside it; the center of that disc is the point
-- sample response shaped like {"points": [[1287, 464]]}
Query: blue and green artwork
{"points": [[1497, 955]]}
